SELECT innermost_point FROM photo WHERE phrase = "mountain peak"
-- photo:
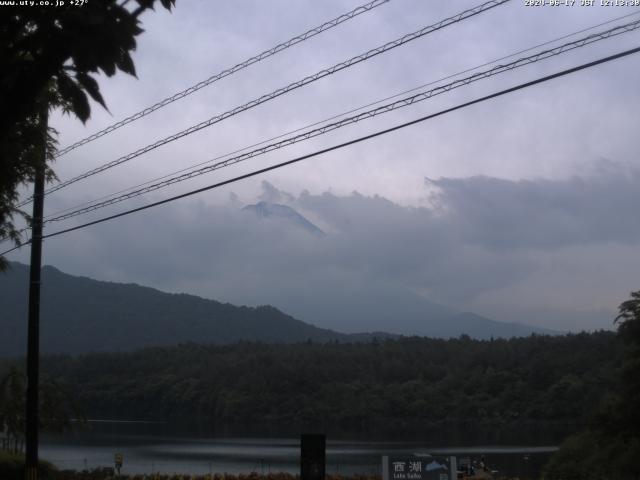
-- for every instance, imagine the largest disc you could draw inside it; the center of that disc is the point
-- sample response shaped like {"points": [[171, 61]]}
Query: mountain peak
{"points": [[264, 209]]}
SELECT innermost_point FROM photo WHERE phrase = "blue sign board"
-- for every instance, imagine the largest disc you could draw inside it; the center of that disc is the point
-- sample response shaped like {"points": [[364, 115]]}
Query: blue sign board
{"points": [[424, 467]]}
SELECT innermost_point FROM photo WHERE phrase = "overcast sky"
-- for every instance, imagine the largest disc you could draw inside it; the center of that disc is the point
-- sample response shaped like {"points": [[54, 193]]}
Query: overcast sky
{"points": [[522, 209]]}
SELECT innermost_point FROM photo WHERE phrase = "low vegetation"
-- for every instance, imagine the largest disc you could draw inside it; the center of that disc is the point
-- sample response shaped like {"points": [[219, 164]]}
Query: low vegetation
{"points": [[12, 468], [102, 475]]}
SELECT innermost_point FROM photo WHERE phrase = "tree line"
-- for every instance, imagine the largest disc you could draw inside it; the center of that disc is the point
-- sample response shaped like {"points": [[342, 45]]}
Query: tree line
{"points": [[537, 379]]}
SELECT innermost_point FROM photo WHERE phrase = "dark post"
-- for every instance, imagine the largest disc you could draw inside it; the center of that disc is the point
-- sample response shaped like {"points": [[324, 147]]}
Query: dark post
{"points": [[33, 339], [312, 456]]}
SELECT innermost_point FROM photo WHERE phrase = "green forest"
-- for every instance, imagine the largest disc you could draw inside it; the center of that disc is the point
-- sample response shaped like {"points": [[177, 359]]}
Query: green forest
{"points": [[537, 379]]}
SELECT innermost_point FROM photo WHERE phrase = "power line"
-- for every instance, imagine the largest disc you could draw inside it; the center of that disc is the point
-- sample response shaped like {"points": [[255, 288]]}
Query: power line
{"points": [[229, 71], [281, 91], [333, 117], [77, 210], [356, 118], [345, 144], [18, 246]]}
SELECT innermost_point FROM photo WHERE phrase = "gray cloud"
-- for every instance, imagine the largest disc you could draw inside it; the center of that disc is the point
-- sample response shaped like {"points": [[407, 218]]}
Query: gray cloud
{"points": [[551, 253], [503, 214]]}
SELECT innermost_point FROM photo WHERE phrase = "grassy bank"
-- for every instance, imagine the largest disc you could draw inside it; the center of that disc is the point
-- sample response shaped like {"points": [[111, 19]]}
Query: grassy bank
{"points": [[12, 468]]}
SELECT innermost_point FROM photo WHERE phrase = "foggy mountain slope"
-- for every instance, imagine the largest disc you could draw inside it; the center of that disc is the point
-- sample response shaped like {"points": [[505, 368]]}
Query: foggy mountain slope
{"points": [[80, 315], [386, 307], [337, 301]]}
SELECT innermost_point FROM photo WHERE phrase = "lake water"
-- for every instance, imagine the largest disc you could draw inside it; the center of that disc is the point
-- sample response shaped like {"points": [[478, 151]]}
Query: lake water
{"points": [[157, 447]]}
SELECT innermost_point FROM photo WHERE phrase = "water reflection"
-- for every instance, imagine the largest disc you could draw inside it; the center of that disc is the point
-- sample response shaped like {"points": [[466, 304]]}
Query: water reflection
{"points": [[176, 448]]}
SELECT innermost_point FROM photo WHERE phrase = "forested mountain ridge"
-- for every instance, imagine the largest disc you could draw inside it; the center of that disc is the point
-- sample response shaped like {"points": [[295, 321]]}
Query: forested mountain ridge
{"points": [[79, 314], [409, 381]]}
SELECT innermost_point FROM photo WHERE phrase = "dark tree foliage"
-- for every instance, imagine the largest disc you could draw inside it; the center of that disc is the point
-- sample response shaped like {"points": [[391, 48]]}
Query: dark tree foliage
{"points": [[49, 58], [57, 408], [610, 445], [629, 321], [411, 382], [628, 404]]}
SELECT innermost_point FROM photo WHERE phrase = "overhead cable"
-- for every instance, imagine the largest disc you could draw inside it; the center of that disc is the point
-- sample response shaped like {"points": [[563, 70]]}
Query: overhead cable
{"points": [[411, 100], [334, 117], [281, 91], [229, 71], [345, 144]]}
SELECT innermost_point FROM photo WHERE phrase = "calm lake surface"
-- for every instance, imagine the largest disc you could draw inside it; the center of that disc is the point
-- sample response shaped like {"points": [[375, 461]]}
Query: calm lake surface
{"points": [[169, 448]]}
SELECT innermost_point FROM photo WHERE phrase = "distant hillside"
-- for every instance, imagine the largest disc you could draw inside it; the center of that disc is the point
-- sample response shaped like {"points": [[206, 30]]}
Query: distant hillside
{"points": [[83, 315], [396, 310], [477, 326], [372, 305]]}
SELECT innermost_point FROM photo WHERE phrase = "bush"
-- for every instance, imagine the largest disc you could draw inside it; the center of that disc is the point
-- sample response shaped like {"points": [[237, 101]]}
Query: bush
{"points": [[588, 456], [12, 468]]}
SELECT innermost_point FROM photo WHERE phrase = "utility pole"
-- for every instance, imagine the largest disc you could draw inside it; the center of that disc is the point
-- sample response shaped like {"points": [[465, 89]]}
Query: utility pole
{"points": [[33, 334]]}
